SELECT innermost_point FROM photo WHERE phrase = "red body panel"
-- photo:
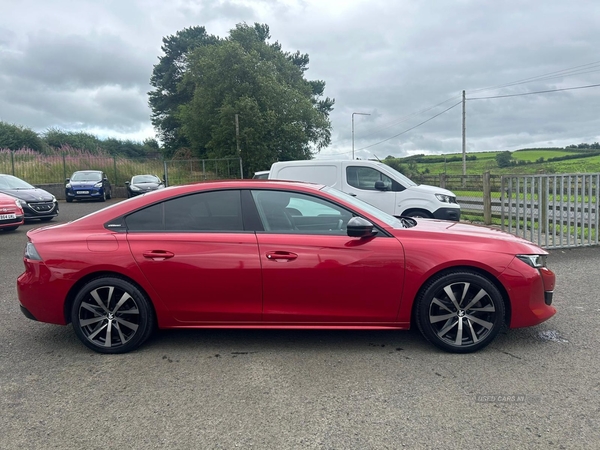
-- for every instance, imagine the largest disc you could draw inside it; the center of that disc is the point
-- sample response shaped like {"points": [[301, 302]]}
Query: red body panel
{"points": [[278, 280], [9, 207]]}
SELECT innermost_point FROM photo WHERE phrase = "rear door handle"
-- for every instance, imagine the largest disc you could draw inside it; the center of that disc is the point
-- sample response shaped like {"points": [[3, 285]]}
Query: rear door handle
{"points": [[281, 256], [158, 255]]}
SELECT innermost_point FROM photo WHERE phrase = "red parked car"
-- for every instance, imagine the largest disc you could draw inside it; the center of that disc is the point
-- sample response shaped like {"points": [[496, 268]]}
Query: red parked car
{"points": [[11, 213], [273, 254]]}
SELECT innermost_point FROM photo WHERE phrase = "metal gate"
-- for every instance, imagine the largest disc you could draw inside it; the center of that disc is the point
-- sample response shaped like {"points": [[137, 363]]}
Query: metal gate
{"points": [[554, 211]]}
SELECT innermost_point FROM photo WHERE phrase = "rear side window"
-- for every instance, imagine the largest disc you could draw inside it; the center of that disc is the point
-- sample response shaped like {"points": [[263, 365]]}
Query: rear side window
{"points": [[206, 211]]}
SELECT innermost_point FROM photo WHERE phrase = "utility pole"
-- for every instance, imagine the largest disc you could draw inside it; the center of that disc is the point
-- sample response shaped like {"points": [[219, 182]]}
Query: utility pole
{"points": [[361, 114], [464, 134]]}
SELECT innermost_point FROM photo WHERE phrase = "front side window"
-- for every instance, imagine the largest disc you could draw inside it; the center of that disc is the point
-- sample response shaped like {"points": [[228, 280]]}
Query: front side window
{"points": [[365, 178], [294, 212], [218, 211]]}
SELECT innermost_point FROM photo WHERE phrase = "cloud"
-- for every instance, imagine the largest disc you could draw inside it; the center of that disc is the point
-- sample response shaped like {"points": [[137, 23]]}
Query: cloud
{"points": [[87, 64]]}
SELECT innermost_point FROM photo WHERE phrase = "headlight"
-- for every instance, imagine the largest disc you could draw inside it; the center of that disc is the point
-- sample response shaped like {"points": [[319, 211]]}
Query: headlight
{"points": [[535, 261], [31, 252], [54, 199], [68, 185], [444, 198], [99, 184], [18, 202], [133, 187], [22, 203]]}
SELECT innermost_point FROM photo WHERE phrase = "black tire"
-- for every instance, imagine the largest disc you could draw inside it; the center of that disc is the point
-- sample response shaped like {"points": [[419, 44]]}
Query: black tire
{"points": [[46, 219], [103, 198], [109, 195], [10, 228], [460, 311], [69, 199], [111, 315], [418, 214]]}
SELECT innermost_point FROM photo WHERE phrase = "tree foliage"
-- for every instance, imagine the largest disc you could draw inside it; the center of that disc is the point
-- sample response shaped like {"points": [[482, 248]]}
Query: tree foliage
{"points": [[504, 159], [282, 116], [16, 137], [169, 93]]}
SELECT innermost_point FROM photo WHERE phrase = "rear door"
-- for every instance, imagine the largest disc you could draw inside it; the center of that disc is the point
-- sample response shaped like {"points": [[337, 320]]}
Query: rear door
{"points": [[197, 256]]}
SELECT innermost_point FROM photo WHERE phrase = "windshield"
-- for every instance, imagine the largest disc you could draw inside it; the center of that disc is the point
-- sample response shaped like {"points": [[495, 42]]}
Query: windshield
{"points": [[393, 173], [364, 206], [10, 182], [86, 176], [145, 179]]}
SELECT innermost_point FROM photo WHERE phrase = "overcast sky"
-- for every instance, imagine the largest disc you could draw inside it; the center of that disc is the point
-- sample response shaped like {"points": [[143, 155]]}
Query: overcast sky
{"points": [[86, 64]]}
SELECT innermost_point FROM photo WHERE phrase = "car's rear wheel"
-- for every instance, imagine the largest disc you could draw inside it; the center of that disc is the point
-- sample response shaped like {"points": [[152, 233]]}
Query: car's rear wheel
{"points": [[460, 311], [111, 315]]}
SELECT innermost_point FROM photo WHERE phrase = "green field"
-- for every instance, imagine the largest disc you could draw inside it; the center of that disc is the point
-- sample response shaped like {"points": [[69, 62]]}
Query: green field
{"points": [[527, 162]]}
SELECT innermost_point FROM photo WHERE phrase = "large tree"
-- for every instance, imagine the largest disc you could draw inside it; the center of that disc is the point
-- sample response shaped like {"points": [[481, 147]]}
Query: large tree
{"points": [[282, 116], [169, 93]]}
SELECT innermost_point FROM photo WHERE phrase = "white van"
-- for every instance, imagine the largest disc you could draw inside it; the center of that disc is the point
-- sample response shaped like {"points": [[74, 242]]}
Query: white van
{"points": [[375, 183]]}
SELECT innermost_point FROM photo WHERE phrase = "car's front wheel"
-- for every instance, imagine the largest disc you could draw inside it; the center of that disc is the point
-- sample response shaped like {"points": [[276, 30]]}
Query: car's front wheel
{"points": [[460, 311], [111, 315]]}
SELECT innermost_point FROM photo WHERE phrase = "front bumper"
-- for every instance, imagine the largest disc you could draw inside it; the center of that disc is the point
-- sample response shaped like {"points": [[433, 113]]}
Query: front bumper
{"points": [[40, 210], [447, 214], [85, 193]]}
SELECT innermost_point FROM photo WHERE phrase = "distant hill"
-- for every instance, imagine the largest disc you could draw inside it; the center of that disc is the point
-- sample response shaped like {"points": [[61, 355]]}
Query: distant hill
{"points": [[571, 159]]}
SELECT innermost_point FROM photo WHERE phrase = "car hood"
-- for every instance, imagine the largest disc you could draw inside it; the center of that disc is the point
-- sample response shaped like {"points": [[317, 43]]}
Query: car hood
{"points": [[445, 230], [83, 184], [432, 189], [30, 195], [147, 185]]}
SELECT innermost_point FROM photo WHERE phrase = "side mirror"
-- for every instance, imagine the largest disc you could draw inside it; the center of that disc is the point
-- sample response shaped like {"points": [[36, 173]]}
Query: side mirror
{"points": [[67, 180], [381, 186], [359, 227], [127, 183]]}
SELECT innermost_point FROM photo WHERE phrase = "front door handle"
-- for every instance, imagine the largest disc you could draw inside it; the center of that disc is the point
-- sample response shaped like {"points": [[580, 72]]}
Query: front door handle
{"points": [[158, 255], [352, 194], [281, 256]]}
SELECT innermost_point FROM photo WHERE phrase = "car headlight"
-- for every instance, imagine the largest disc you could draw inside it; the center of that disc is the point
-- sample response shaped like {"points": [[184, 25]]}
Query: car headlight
{"points": [[535, 261], [68, 185], [22, 203], [133, 187], [444, 198], [53, 199], [31, 252], [98, 185]]}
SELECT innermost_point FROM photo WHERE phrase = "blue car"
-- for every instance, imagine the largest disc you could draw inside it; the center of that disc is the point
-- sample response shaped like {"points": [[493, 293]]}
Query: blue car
{"points": [[88, 185]]}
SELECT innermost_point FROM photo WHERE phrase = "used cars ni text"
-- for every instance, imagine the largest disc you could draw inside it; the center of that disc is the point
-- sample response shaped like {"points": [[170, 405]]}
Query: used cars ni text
{"points": [[11, 213], [88, 185], [36, 203], [273, 254]]}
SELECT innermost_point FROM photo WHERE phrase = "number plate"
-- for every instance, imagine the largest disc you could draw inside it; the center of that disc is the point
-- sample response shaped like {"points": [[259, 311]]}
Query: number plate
{"points": [[7, 216], [83, 192]]}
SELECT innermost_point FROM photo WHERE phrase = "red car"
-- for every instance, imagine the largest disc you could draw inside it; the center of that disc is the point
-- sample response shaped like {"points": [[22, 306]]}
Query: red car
{"points": [[11, 213], [273, 254]]}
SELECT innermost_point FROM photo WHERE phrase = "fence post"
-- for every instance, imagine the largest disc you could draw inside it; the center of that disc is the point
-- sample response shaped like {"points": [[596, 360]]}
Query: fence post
{"points": [[64, 167], [443, 180], [487, 199], [166, 173], [241, 169], [543, 187], [12, 161], [115, 165]]}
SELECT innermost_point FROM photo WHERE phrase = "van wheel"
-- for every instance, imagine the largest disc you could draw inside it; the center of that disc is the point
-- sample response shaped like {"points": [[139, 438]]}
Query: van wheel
{"points": [[418, 213]]}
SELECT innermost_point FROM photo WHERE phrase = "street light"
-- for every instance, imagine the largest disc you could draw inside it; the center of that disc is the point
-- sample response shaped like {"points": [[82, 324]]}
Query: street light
{"points": [[360, 114]]}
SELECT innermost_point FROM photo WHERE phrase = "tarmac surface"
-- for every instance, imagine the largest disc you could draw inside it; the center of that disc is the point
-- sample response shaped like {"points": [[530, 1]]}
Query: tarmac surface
{"points": [[274, 389]]}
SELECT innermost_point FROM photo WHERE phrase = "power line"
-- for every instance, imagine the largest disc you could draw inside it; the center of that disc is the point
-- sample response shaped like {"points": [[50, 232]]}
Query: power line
{"points": [[412, 128], [536, 92]]}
